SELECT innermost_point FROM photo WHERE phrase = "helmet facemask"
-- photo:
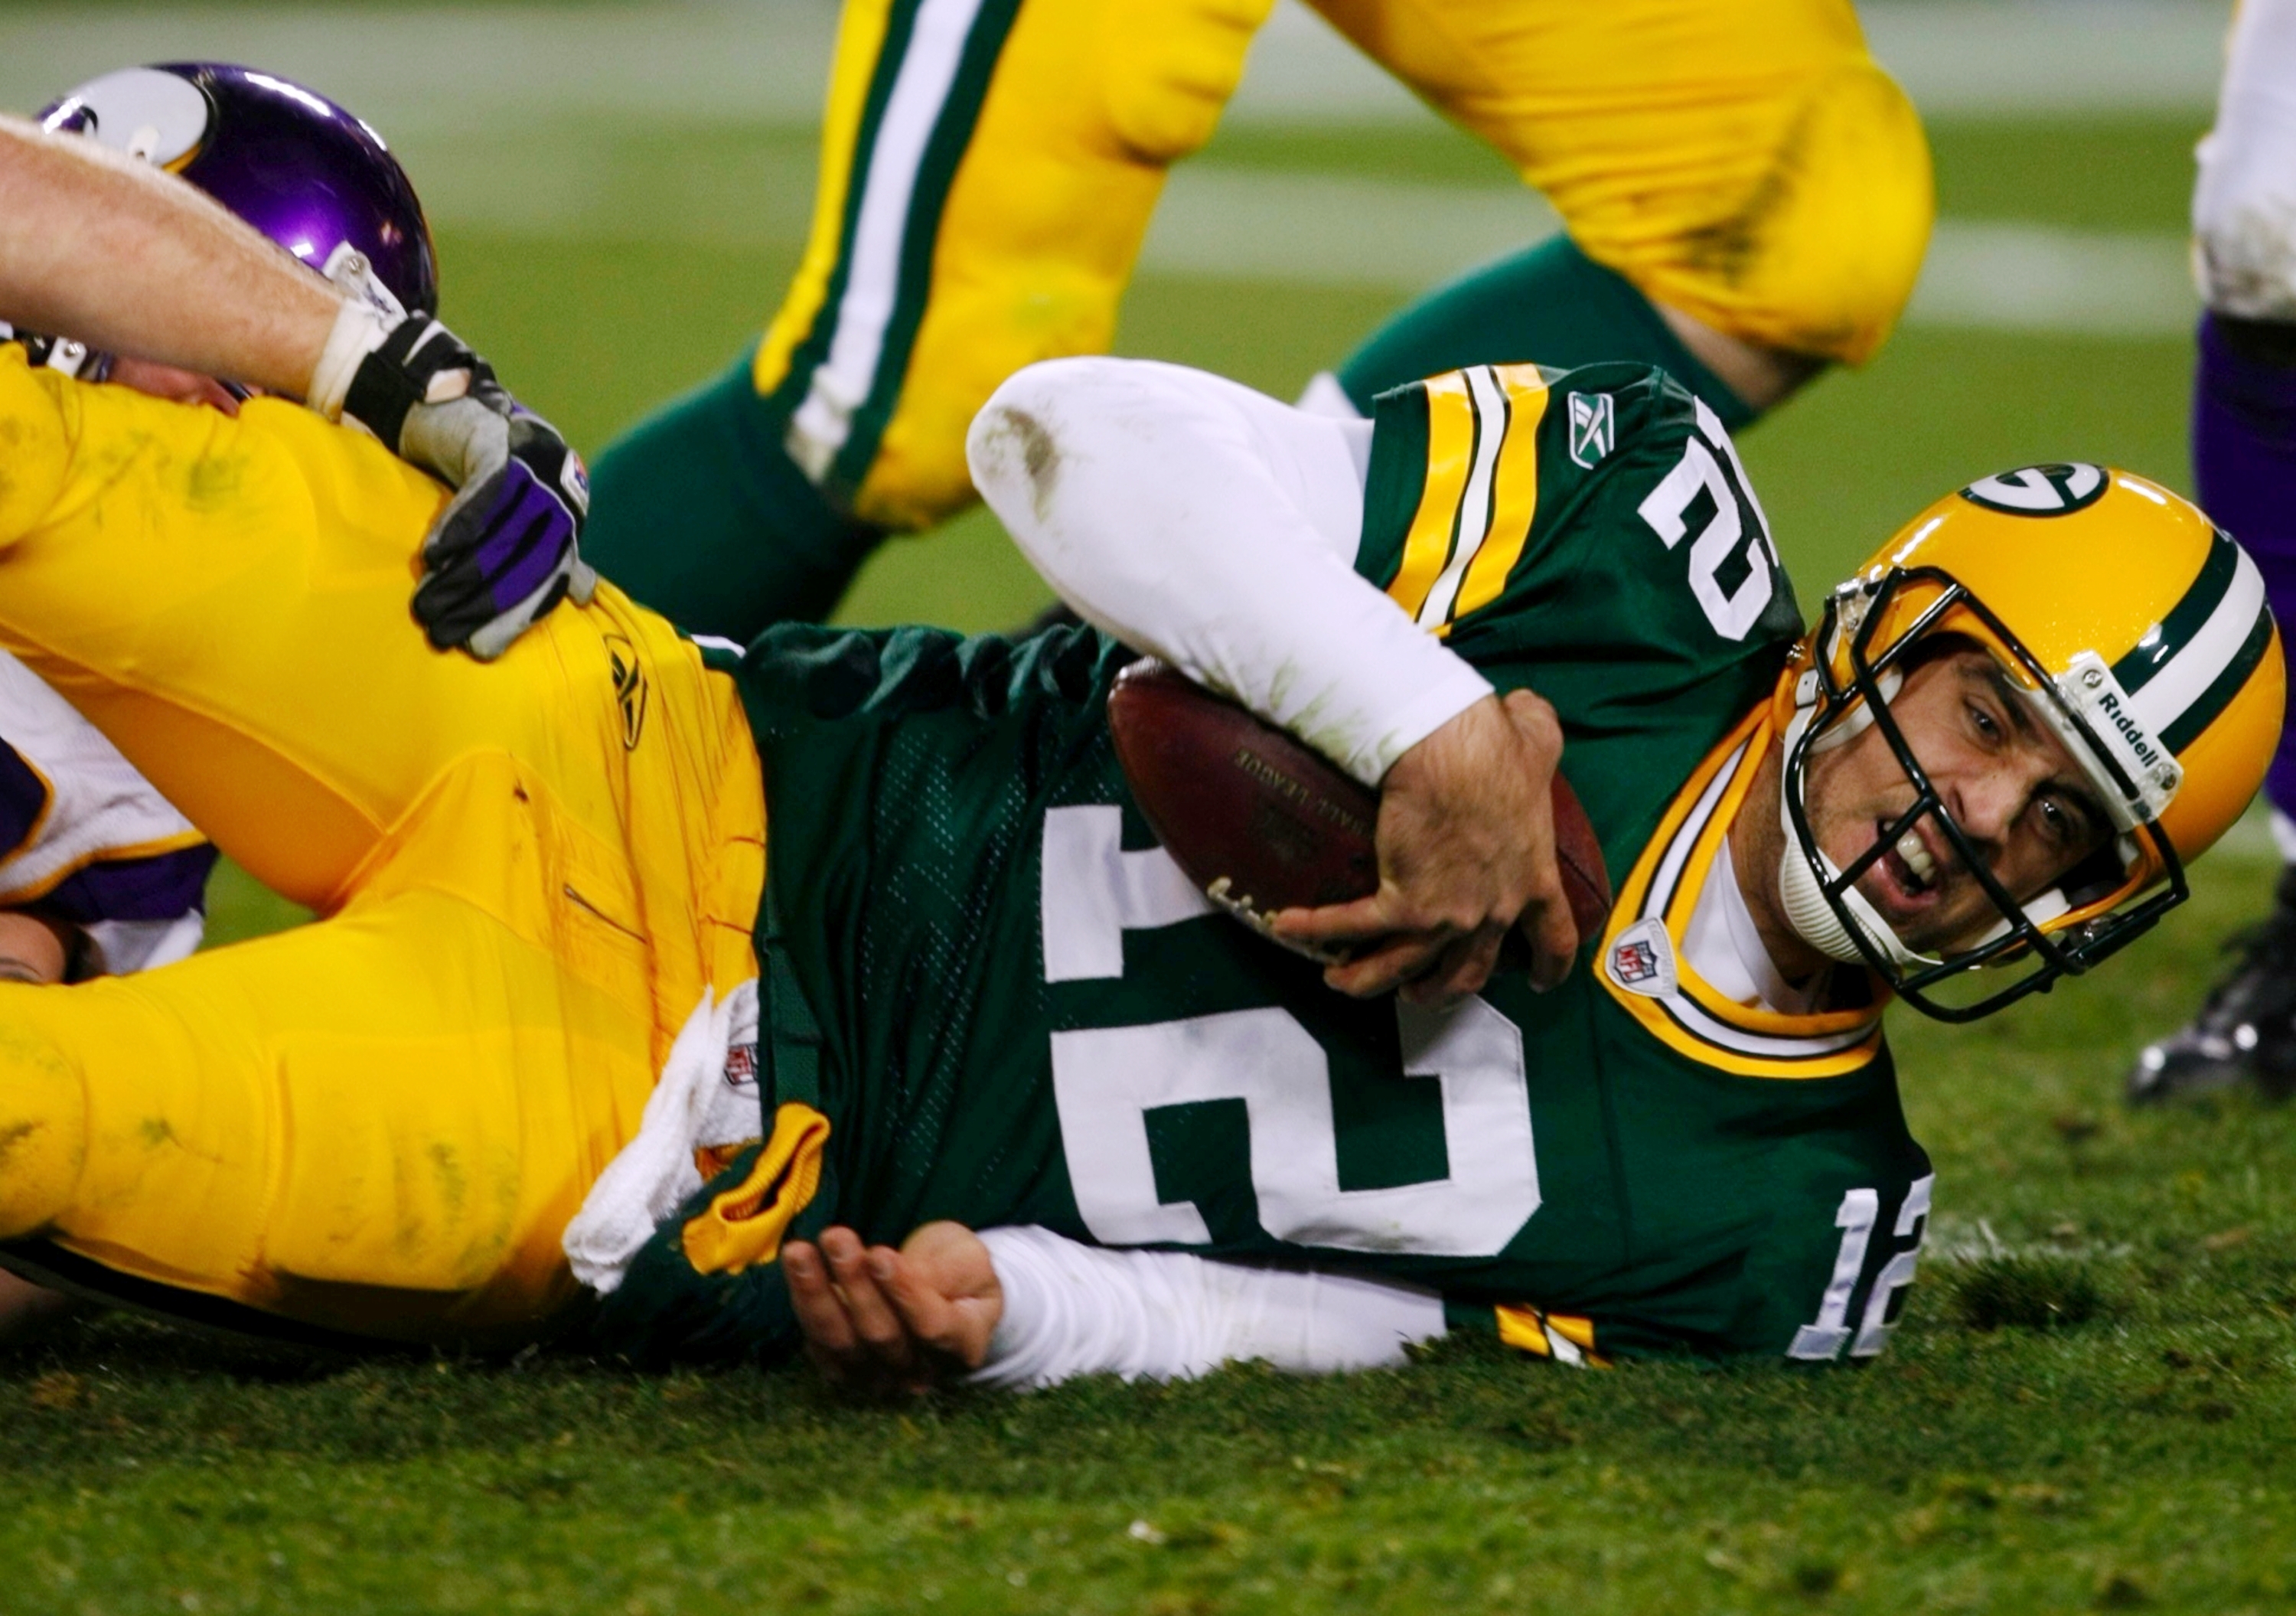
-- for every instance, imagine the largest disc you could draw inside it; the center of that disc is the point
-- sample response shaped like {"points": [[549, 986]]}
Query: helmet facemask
{"points": [[2089, 912]]}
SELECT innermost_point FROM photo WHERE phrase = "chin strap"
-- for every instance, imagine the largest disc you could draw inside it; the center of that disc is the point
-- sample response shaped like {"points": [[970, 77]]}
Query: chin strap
{"points": [[1814, 919]]}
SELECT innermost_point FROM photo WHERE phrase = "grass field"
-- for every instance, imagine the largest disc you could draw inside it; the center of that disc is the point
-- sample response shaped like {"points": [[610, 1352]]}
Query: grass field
{"points": [[2087, 1405]]}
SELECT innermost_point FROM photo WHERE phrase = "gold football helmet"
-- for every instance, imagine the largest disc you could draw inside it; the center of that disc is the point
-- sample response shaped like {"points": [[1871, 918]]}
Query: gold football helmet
{"points": [[2134, 629]]}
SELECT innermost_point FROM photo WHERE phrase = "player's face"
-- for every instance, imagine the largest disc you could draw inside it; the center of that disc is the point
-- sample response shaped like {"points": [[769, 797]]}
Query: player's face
{"points": [[167, 382], [2006, 779], [32, 950]]}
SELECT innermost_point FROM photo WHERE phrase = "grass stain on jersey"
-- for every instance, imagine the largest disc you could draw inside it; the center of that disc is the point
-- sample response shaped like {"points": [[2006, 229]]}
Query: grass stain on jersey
{"points": [[13, 434], [453, 1183], [212, 482]]}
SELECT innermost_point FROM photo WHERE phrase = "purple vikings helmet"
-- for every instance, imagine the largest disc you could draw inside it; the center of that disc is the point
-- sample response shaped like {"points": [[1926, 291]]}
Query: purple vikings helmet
{"points": [[293, 164], [321, 185]]}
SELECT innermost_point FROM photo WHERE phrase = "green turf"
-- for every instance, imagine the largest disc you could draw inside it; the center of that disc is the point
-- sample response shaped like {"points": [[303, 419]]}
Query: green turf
{"points": [[2092, 174], [2087, 1406]]}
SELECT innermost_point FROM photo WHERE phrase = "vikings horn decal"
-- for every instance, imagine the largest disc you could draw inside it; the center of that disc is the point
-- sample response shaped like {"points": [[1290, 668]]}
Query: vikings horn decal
{"points": [[160, 117]]}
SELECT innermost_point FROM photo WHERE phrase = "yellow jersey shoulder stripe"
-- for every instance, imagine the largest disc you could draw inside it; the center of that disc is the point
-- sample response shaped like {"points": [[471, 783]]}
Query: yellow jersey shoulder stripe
{"points": [[1514, 494], [1480, 494], [1450, 447]]}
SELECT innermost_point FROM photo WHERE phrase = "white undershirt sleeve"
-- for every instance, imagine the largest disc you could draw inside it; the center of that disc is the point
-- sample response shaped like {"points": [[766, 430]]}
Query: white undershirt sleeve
{"points": [[1073, 1309], [1217, 528]]}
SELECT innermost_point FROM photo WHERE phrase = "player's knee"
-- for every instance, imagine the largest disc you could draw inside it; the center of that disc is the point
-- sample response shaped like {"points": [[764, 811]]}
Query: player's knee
{"points": [[2245, 221], [1041, 224], [43, 1124], [1821, 254]]}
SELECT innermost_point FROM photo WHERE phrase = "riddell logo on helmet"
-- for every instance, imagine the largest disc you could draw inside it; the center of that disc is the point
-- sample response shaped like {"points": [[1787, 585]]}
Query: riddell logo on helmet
{"points": [[2130, 730]]}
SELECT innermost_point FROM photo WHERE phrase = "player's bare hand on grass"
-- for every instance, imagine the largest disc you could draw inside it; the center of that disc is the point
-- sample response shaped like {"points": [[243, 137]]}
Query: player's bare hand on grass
{"points": [[1466, 851], [888, 1323], [27, 1308]]}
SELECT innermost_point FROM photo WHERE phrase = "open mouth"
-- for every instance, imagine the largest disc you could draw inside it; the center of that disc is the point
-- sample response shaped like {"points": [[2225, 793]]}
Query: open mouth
{"points": [[1910, 870]]}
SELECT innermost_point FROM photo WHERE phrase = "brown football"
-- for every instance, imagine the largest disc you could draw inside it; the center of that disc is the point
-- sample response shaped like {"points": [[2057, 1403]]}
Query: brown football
{"points": [[1263, 821]]}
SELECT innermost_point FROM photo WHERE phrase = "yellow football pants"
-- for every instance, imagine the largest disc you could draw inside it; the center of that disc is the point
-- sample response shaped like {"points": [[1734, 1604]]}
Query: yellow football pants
{"points": [[1748, 165], [528, 873]]}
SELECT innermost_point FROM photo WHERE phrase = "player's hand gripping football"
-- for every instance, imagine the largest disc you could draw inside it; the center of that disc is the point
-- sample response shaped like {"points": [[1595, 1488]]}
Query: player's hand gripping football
{"points": [[1466, 851], [503, 553], [887, 1324]]}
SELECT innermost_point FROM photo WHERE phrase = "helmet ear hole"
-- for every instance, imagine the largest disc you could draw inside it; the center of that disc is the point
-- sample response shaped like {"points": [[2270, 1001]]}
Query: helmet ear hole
{"points": [[2093, 878]]}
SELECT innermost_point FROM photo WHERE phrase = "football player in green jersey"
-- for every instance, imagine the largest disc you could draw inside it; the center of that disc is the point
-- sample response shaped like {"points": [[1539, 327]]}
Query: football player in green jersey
{"points": [[947, 983], [1997, 750]]}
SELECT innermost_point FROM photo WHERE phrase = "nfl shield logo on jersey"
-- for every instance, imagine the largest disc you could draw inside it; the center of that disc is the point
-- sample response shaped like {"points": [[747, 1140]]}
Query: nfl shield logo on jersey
{"points": [[1593, 424], [1642, 960]]}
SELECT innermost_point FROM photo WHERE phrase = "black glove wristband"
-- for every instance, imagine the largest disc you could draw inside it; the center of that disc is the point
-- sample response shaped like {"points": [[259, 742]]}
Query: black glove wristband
{"points": [[397, 376]]}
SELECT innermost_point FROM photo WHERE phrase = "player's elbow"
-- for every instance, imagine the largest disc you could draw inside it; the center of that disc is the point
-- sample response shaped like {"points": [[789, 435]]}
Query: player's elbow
{"points": [[1010, 451], [1018, 446]]}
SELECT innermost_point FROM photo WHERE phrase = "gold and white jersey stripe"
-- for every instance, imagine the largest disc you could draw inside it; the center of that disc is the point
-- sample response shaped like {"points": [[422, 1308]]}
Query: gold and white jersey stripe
{"points": [[1562, 1337], [1480, 495]]}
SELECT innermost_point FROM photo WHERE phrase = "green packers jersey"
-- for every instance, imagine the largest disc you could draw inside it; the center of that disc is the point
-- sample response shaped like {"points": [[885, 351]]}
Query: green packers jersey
{"points": [[1025, 1014]]}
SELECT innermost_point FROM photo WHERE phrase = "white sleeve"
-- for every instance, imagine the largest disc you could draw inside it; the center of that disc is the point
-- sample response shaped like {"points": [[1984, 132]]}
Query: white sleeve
{"points": [[1217, 527], [2245, 204], [1075, 1309]]}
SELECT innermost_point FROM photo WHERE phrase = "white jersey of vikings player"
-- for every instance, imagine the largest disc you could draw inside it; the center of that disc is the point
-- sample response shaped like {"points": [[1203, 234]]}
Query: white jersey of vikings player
{"points": [[88, 839]]}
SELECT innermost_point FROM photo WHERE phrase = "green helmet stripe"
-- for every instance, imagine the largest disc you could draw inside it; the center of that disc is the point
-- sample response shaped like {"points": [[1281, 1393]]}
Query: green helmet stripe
{"points": [[2220, 692], [2154, 652]]}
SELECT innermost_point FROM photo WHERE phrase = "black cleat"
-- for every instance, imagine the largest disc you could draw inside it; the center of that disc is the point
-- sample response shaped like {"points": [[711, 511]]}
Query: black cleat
{"points": [[2246, 1029]]}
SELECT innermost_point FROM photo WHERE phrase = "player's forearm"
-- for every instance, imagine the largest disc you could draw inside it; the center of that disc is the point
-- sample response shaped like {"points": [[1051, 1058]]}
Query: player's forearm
{"points": [[131, 260], [1217, 528], [1071, 1309]]}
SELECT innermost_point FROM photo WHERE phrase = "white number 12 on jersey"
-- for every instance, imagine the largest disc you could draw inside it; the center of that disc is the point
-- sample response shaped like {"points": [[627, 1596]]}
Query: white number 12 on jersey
{"points": [[1106, 1081], [1823, 1339]]}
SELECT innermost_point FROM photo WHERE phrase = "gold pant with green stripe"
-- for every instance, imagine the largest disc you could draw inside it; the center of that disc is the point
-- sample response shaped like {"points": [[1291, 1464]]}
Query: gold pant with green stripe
{"points": [[526, 874], [990, 169]]}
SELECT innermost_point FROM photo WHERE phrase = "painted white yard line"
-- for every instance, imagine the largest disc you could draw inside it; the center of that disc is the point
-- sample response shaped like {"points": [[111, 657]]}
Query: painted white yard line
{"points": [[765, 60], [644, 123], [1332, 230], [2024, 58], [2034, 278], [1275, 226], [2048, 58], [469, 68]]}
